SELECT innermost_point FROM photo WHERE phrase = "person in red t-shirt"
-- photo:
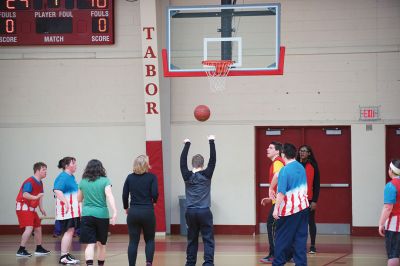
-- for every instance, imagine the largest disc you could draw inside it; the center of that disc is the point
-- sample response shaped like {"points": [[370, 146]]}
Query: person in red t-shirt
{"points": [[306, 157], [273, 153], [29, 198]]}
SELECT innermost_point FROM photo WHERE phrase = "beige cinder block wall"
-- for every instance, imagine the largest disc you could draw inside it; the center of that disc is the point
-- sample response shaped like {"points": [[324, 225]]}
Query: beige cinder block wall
{"points": [[88, 102]]}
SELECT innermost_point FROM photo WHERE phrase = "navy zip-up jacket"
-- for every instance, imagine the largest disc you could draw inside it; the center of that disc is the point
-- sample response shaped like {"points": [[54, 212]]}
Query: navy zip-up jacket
{"points": [[198, 185]]}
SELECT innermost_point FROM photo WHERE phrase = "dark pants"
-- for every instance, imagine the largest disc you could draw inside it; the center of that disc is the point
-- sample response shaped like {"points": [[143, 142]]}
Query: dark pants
{"points": [[392, 243], [291, 236], [271, 231], [57, 228], [312, 226], [141, 218], [200, 220]]}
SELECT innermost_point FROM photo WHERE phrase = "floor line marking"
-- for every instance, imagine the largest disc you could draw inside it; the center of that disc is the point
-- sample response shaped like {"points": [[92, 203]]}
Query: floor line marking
{"points": [[345, 255]]}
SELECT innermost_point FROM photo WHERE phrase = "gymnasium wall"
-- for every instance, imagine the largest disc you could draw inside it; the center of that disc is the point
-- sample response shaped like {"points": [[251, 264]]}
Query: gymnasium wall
{"points": [[88, 102]]}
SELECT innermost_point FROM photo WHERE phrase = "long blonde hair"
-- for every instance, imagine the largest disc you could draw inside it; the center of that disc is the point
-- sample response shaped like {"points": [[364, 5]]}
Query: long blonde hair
{"points": [[141, 164]]}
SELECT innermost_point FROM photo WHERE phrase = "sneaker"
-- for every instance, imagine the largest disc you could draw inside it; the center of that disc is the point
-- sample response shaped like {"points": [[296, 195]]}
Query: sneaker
{"points": [[73, 258], [40, 251], [68, 259], [268, 259], [149, 264], [23, 253], [313, 250]]}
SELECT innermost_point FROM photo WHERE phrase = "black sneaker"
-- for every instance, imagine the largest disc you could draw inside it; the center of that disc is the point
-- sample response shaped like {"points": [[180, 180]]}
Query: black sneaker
{"points": [[23, 253], [290, 260], [313, 250], [40, 251], [68, 259], [268, 259]]}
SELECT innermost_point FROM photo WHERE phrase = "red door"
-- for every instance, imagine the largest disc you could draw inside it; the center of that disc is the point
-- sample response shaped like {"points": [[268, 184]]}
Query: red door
{"points": [[331, 147], [392, 145]]}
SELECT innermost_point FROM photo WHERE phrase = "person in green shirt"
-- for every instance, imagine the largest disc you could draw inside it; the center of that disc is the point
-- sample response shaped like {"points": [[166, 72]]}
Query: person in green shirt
{"points": [[94, 192]]}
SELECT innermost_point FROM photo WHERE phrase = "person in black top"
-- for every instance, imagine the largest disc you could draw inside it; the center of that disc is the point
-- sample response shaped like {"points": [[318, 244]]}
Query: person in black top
{"points": [[306, 157], [198, 215], [142, 188]]}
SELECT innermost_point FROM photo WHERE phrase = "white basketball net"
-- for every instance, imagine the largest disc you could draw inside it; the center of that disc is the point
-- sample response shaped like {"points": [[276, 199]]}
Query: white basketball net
{"points": [[217, 71]]}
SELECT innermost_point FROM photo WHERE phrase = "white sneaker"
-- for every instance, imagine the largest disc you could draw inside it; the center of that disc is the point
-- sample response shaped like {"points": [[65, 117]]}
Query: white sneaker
{"points": [[72, 257], [68, 259]]}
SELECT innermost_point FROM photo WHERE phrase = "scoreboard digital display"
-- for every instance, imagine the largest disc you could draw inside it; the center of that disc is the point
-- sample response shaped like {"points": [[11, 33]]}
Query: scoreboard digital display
{"points": [[56, 22]]}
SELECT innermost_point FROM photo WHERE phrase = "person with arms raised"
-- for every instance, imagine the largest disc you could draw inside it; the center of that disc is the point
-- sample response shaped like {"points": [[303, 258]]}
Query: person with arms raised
{"points": [[198, 215]]}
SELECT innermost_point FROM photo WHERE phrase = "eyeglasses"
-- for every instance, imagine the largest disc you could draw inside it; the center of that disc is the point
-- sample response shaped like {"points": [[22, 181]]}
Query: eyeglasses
{"points": [[303, 150]]}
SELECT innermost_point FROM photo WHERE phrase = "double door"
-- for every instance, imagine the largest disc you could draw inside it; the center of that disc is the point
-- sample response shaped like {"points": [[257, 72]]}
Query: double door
{"points": [[332, 150]]}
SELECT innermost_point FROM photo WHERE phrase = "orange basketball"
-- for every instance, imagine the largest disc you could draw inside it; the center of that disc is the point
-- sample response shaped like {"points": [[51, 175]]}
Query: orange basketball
{"points": [[202, 113]]}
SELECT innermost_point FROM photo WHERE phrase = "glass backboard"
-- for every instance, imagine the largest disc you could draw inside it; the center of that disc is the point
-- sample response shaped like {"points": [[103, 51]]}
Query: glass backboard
{"points": [[247, 34]]}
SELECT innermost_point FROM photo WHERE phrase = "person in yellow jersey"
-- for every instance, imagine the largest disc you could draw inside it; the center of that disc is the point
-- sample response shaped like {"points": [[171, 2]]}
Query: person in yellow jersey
{"points": [[274, 154]]}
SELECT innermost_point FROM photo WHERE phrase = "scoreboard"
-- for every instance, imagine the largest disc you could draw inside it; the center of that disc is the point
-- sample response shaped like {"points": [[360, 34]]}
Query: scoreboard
{"points": [[56, 22]]}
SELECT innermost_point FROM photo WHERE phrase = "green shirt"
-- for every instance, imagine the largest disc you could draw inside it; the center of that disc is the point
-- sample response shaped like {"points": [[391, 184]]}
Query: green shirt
{"points": [[94, 197]]}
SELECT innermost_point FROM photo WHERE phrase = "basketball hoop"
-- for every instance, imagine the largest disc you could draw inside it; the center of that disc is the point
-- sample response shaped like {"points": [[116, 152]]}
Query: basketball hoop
{"points": [[217, 71]]}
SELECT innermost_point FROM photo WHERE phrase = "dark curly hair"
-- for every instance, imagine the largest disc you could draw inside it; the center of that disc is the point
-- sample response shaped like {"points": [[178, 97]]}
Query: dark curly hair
{"points": [[310, 158], [94, 169]]}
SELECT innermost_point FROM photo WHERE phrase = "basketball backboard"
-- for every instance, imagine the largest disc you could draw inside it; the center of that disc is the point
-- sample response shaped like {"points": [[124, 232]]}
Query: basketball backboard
{"points": [[247, 34]]}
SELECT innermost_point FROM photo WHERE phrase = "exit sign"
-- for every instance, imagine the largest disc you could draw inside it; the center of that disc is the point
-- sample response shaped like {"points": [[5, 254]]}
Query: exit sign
{"points": [[368, 113]]}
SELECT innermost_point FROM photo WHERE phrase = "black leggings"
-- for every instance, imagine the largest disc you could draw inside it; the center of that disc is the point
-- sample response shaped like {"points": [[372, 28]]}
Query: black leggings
{"points": [[271, 231], [141, 218], [312, 227]]}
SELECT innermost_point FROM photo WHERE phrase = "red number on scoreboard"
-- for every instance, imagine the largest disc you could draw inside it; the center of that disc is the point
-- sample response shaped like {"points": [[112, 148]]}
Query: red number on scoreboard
{"points": [[99, 3], [10, 4], [10, 26], [102, 25]]}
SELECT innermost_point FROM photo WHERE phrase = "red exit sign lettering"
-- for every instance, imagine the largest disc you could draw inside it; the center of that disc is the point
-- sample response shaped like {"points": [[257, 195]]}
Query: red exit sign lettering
{"points": [[368, 113]]}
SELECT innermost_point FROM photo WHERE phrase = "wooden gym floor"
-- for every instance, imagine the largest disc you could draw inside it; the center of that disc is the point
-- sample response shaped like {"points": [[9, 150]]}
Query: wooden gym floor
{"points": [[230, 250]]}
